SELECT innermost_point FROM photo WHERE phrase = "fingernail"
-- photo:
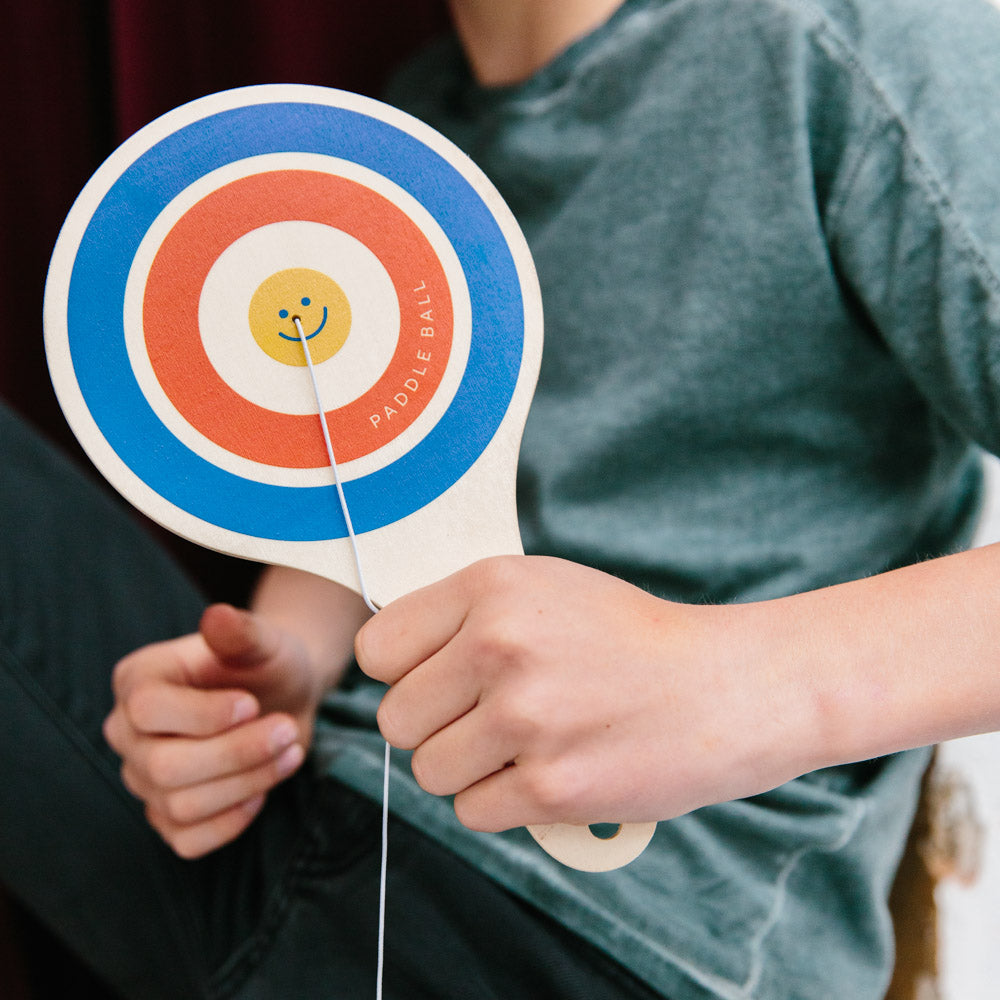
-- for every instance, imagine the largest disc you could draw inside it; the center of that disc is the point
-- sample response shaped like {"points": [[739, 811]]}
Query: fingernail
{"points": [[245, 708], [284, 732], [290, 760]]}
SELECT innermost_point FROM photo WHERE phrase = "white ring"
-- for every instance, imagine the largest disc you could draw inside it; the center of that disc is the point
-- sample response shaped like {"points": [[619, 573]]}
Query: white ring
{"points": [[256, 376]]}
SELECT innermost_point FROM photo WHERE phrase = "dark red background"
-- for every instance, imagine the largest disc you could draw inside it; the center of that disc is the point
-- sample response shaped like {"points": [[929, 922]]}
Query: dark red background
{"points": [[79, 77]]}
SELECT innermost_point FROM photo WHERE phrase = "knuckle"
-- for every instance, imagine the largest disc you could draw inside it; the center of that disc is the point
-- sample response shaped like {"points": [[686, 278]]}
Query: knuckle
{"points": [[392, 726], [161, 825], [121, 674], [364, 640], [189, 845], [475, 814], [427, 776], [132, 784], [469, 816], [161, 766], [521, 714], [180, 808], [499, 644], [555, 789], [110, 729], [140, 707], [199, 839], [185, 842], [419, 769], [495, 574]]}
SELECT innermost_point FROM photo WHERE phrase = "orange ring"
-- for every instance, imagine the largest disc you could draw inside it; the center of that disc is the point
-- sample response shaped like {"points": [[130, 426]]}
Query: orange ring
{"points": [[215, 409]]}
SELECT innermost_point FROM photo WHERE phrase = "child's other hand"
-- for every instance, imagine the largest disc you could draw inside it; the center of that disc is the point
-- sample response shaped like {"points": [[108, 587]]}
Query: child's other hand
{"points": [[207, 724]]}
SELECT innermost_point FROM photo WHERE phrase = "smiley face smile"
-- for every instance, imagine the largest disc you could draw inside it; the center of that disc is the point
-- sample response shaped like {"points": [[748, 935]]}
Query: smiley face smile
{"points": [[309, 336]]}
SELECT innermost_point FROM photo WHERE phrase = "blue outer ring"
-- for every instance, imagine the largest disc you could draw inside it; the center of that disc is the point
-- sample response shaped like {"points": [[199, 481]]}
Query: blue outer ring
{"points": [[118, 406]]}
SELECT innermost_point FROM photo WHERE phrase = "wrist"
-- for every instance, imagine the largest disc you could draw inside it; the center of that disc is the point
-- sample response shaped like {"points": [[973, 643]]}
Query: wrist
{"points": [[743, 715], [833, 684], [322, 615], [798, 706], [898, 660]]}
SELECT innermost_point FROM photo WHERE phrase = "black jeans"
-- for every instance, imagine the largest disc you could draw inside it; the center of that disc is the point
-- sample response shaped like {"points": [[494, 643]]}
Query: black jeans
{"points": [[287, 912]]}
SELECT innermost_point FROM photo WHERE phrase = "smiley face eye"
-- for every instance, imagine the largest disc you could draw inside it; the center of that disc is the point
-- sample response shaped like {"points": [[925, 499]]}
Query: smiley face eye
{"points": [[306, 301]]}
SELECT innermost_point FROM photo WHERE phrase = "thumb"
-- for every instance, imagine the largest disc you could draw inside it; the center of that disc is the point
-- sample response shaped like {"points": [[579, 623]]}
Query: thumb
{"points": [[238, 638], [259, 657]]}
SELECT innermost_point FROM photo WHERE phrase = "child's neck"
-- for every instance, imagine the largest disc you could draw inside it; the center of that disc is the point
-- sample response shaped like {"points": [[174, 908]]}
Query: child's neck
{"points": [[510, 40]]}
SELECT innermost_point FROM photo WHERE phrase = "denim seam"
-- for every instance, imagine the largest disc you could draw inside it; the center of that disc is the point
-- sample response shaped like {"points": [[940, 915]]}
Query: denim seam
{"points": [[241, 964], [235, 970]]}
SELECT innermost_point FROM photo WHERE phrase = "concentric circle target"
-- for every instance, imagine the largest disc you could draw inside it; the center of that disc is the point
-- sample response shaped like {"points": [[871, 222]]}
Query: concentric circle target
{"points": [[188, 258]]}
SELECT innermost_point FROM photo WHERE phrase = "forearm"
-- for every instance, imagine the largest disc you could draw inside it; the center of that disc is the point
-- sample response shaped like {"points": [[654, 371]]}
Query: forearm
{"points": [[902, 659], [324, 615]]}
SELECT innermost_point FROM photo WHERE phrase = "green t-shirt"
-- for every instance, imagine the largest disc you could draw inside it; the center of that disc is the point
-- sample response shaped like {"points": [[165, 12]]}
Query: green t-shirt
{"points": [[768, 238]]}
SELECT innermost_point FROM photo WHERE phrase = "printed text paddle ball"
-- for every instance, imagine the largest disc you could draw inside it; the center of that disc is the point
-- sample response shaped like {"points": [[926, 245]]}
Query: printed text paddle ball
{"points": [[186, 273]]}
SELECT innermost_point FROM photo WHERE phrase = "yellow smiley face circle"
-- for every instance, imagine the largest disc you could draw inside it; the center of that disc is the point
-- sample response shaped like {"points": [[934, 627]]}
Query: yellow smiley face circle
{"points": [[311, 297]]}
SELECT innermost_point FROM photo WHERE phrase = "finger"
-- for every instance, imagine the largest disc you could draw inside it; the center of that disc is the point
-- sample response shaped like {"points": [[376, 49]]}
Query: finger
{"points": [[187, 661], [541, 790], [178, 761], [460, 756], [199, 839], [426, 700], [414, 627], [198, 803], [117, 732], [170, 709], [517, 795], [177, 660]]}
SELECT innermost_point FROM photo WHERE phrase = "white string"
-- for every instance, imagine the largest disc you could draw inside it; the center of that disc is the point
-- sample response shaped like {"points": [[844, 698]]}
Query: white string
{"points": [[333, 465], [321, 409], [382, 875]]}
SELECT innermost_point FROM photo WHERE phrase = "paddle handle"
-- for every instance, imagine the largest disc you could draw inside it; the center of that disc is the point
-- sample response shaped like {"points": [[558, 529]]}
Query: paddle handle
{"points": [[579, 847]]}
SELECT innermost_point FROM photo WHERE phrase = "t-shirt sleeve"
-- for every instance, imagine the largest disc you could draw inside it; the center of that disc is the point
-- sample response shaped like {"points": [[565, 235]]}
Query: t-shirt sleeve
{"points": [[914, 216]]}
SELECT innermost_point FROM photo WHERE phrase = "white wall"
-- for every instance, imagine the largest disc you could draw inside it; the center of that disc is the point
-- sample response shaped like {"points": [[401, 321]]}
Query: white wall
{"points": [[969, 914], [969, 934]]}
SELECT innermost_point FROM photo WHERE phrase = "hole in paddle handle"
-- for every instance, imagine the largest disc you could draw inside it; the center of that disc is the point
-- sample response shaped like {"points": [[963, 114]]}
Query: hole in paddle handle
{"points": [[605, 831]]}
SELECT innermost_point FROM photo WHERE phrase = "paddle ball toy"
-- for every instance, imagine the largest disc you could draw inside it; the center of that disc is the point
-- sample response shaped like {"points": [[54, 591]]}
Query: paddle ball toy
{"points": [[262, 256]]}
